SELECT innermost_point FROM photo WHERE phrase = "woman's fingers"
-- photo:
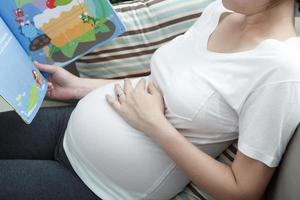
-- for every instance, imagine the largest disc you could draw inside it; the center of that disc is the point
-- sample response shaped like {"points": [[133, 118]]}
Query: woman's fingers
{"points": [[152, 89], [115, 104], [141, 84], [50, 89], [119, 92], [45, 68], [50, 86], [127, 86]]}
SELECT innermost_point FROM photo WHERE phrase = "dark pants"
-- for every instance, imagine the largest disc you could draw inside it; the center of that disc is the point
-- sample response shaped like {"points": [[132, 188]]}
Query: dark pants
{"points": [[33, 165]]}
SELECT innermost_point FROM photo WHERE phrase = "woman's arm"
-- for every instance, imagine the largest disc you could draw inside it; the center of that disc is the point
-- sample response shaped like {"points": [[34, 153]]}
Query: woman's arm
{"points": [[86, 85], [62, 85], [244, 179]]}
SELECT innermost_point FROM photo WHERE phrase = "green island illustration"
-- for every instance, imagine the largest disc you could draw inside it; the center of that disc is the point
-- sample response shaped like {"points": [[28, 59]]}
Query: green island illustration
{"points": [[28, 103], [33, 98]]}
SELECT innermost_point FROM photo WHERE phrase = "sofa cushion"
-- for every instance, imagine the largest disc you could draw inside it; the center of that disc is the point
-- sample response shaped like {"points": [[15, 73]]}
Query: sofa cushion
{"points": [[286, 180], [149, 25]]}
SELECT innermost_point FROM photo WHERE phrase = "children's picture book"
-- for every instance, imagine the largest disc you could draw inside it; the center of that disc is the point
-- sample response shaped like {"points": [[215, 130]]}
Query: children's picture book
{"points": [[51, 32]]}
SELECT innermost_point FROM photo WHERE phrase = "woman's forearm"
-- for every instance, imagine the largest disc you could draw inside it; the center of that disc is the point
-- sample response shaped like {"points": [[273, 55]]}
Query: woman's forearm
{"points": [[86, 85], [214, 177]]}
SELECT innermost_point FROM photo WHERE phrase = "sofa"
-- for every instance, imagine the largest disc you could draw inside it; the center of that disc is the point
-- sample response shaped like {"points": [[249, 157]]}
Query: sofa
{"points": [[150, 24]]}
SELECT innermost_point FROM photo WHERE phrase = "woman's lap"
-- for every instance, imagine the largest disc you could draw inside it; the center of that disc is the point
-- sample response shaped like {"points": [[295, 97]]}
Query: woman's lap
{"points": [[32, 163], [35, 141], [40, 180]]}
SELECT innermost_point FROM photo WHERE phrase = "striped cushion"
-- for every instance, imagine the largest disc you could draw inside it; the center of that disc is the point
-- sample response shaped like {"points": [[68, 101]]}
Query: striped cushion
{"points": [[117, 1], [150, 24], [228, 155]]}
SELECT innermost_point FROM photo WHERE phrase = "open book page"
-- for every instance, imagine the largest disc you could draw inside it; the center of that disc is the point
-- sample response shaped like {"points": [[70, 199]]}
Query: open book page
{"points": [[59, 31], [21, 84]]}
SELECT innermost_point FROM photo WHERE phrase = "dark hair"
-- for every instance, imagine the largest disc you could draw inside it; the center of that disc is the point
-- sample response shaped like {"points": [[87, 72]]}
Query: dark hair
{"points": [[298, 5]]}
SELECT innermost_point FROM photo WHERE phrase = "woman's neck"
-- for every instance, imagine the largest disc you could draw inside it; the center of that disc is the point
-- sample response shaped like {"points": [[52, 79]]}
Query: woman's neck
{"points": [[276, 22]]}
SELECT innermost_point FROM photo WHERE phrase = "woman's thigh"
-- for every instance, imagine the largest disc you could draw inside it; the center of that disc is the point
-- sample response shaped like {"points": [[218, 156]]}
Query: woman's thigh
{"points": [[37, 140], [40, 180]]}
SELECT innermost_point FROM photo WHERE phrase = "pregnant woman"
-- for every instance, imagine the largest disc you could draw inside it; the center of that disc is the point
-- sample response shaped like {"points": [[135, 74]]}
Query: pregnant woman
{"points": [[233, 75]]}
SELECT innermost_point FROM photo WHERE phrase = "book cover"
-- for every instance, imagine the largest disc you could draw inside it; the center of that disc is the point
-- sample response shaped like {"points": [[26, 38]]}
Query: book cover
{"points": [[59, 31], [21, 83], [51, 32]]}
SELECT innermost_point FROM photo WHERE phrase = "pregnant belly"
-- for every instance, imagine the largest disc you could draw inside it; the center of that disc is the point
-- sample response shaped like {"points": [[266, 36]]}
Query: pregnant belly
{"points": [[115, 159]]}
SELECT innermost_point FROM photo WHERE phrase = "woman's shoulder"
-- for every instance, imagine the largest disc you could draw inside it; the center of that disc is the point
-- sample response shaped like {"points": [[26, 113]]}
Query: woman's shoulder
{"points": [[213, 6], [288, 52], [210, 10], [286, 60]]}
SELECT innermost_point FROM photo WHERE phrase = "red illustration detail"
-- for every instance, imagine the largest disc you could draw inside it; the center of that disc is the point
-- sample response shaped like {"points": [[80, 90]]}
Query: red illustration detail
{"points": [[19, 13], [50, 4]]}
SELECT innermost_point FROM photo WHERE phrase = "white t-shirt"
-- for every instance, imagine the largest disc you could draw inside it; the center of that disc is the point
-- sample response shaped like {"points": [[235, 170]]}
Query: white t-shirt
{"points": [[211, 98], [261, 85]]}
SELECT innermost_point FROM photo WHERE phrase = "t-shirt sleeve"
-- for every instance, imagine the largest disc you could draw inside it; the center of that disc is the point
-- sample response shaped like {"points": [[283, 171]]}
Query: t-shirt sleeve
{"points": [[206, 15], [267, 121]]}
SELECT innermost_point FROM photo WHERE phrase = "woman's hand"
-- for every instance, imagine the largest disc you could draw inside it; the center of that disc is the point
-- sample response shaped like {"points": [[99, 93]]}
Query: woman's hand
{"points": [[62, 85], [142, 107]]}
